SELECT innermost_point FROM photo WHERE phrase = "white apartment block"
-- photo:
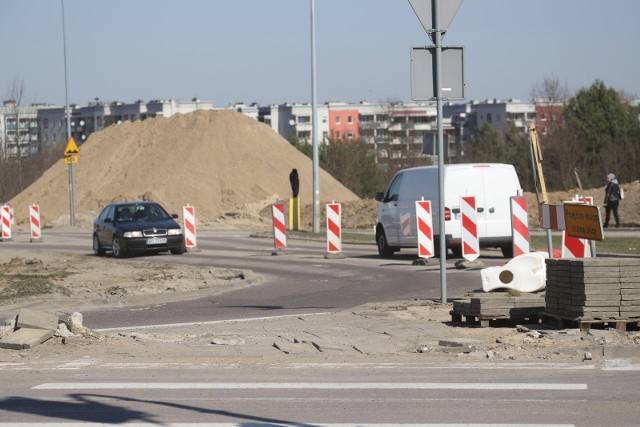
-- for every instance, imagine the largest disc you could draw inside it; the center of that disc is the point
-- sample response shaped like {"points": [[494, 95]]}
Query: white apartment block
{"points": [[18, 130]]}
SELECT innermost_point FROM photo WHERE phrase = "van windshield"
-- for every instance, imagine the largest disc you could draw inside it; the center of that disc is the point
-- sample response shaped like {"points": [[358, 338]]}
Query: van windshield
{"points": [[394, 188]]}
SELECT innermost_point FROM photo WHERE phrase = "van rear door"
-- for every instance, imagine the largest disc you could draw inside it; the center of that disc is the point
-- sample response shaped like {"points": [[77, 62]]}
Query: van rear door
{"points": [[500, 183]]}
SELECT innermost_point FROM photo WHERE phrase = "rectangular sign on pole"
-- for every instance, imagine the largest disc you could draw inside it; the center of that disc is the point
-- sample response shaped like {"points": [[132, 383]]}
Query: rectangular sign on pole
{"points": [[423, 86]]}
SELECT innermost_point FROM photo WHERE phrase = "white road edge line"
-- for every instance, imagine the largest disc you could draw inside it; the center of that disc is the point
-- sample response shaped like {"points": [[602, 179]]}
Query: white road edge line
{"points": [[213, 322], [309, 386]]}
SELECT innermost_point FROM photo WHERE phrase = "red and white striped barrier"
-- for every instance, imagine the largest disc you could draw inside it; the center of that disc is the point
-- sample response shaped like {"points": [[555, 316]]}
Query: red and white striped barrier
{"points": [[424, 225], [279, 228], [189, 219], [575, 247], [551, 217], [520, 225], [334, 228], [470, 241], [34, 219], [5, 217]]}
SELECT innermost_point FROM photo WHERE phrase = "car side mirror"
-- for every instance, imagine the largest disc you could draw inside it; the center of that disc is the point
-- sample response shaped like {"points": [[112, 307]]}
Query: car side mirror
{"points": [[174, 216], [379, 197]]}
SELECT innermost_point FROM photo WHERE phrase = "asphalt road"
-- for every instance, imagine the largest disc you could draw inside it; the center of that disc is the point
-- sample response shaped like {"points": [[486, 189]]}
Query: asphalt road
{"points": [[66, 389], [297, 280], [100, 393]]}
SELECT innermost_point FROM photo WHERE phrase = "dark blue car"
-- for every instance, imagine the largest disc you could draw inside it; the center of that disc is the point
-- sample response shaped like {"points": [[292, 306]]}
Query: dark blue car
{"points": [[142, 227]]}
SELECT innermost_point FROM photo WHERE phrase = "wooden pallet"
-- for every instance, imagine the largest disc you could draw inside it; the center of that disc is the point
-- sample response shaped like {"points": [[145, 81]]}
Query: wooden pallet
{"points": [[484, 320], [585, 324]]}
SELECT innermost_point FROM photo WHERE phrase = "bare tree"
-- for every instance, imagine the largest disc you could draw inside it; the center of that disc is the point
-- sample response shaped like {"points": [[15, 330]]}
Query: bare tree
{"points": [[15, 132], [550, 91]]}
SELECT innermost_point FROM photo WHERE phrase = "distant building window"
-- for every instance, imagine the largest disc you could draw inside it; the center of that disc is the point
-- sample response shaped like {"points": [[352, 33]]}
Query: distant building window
{"points": [[489, 117], [554, 116], [350, 135], [337, 120], [543, 117], [350, 119], [45, 123], [324, 119], [99, 121]]}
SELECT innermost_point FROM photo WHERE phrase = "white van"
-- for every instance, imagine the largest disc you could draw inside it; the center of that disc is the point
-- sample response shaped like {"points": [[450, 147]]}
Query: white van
{"points": [[492, 183]]}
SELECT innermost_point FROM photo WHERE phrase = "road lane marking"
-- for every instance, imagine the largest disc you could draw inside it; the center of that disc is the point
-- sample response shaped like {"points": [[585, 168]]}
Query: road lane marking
{"points": [[309, 386]]}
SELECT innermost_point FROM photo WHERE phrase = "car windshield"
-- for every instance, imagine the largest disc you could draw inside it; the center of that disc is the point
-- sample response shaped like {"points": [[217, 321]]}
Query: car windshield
{"points": [[136, 212]]}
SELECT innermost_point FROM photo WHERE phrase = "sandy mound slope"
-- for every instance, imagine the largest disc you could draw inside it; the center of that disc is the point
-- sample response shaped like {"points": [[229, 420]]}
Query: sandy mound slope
{"points": [[217, 161]]}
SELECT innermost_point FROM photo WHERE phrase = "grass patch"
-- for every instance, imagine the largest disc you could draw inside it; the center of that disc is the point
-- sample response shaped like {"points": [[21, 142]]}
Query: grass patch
{"points": [[20, 285], [610, 245]]}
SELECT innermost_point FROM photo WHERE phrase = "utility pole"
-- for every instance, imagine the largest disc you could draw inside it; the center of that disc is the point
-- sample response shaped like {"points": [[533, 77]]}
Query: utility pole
{"points": [[67, 113]]}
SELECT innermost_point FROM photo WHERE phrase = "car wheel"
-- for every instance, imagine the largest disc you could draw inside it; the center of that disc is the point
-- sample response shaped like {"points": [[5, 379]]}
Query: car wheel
{"points": [[178, 251], [97, 249], [384, 249], [116, 247]]}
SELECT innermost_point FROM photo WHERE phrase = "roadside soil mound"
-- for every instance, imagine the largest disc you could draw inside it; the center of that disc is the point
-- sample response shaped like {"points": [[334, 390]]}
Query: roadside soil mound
{"points": [[217, 161]]}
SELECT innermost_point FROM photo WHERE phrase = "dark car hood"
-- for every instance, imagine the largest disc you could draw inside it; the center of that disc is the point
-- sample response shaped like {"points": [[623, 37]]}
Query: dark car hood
{"points": [[145, 225]]}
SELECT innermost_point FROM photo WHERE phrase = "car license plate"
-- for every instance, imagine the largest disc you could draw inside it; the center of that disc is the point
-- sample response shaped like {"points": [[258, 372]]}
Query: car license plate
{"points": [[156, 241]]}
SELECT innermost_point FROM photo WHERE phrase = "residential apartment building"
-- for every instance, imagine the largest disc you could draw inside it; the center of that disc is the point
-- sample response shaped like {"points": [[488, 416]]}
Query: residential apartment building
{"points": [[98, 115], [395, 131], [502, 115], [18, 130], [296, 120]]}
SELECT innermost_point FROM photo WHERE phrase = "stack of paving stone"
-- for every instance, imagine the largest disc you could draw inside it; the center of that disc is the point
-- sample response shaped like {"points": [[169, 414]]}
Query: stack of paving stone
{"points": [[596, 288], [486, 306]]}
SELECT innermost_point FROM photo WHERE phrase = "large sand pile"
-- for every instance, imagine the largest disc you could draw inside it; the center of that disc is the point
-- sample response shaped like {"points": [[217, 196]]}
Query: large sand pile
{"points": [[217, 161]]}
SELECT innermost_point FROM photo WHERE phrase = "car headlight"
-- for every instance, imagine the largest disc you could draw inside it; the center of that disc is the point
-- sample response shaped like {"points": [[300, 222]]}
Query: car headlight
{"points": [[174, 231], [131, 234]]}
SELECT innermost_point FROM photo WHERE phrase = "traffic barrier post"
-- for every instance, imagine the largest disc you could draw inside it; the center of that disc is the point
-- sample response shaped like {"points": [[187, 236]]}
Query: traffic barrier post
{"points": [[334, 230], [34, 219], [279, 227], [189, 219], [520, 225], [424, 225], [470, 241], [5, 217]]}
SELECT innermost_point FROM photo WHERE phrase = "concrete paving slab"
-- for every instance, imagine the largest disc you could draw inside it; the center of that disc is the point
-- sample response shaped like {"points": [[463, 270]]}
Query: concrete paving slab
{"points": [[25, 338], [35, 319]]}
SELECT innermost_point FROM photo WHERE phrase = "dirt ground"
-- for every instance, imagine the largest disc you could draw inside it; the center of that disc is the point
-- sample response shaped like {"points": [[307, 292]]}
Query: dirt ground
{"points": [[401, 331]]}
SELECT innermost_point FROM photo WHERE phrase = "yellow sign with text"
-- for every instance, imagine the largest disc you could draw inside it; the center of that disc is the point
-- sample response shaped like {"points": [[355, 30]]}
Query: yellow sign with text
{"points": [[71, 159], [583, 221]]}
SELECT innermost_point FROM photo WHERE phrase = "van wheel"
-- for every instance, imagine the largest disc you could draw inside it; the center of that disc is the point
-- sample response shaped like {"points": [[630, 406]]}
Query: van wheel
{"points": [[456, 251], [507, 251], [384, 249]]}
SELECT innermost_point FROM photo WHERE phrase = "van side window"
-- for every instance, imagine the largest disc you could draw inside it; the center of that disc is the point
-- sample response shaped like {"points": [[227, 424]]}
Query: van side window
{"points": [[394, 189]]}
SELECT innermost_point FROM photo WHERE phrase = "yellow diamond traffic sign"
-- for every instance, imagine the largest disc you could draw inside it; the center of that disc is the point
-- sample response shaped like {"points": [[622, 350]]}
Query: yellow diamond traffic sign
{"points": [[72, 148]]}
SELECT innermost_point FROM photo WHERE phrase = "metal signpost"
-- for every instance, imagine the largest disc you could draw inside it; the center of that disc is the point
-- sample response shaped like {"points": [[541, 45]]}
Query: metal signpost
{"points": [[435, 16]]}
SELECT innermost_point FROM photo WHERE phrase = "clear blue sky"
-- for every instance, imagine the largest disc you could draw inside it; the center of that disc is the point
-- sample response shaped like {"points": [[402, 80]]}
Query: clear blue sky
{"points": [[259, 51]]}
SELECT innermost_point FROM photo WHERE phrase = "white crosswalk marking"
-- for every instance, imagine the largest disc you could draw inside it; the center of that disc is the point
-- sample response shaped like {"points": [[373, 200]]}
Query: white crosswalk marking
{"points": [[308, 386]]}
